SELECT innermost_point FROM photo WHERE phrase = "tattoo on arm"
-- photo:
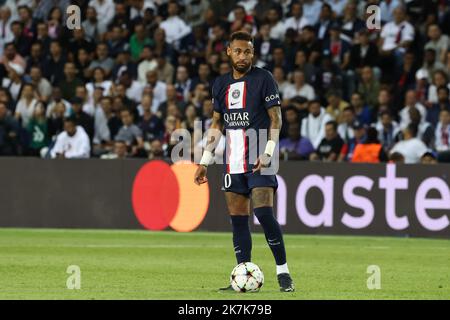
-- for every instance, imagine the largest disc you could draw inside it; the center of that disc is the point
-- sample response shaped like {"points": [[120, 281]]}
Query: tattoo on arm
{"points": [[275, 123], [214, 132]]}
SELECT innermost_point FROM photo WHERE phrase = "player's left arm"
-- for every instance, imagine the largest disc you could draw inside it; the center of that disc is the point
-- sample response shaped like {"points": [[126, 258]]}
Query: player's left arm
{"points": [[264, 159]]}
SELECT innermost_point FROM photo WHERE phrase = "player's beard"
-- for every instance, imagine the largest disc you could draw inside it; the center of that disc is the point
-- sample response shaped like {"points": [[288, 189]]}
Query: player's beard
{"points": [[241, 68]]}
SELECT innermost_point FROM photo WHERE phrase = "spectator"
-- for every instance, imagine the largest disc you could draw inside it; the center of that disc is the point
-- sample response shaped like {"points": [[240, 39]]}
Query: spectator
{"points": [[443, 103], [148, 63], [57, 98], [151, 125], [9, 132], [158, 89], [425, 131], [325, 20], [138, 41], [120, 151], [442, 132], [157, 151], [299, 87], [43, 87], [349, 147], [54, 65], [438, 42], [387, 129], [396, 157], [26, 105], [13, 83], [313, 126], [411, 102], [174, 27], [294, 146], [297, 20], [130, 133], [82, 118], [103, 60], [94, 27], [362, 111], [396, 36], [428, 158], [336, 106], [38, 130], [369, 87], [345, 128], [371, 150], [440, 79], [104, 8], [412, 148], [72, 143], [70, 82], [190, 117], [330, 146]]}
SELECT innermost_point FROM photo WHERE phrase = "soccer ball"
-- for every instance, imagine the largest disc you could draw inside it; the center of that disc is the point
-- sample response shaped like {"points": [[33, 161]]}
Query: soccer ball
{"points": [[247, 277]]}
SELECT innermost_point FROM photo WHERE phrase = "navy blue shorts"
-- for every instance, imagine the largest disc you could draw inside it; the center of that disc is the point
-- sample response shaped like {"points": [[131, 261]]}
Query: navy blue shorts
{"points": [[243, 183]]}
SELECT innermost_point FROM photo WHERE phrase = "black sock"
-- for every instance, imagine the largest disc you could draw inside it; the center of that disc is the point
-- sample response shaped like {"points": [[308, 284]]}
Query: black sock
{"points": [[272, 232], [242, 239]]}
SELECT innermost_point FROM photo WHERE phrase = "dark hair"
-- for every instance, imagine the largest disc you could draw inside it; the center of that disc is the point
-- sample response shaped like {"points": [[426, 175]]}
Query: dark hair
{"points": [[241, 35], [447, 90], [332, 123], [412, 128], [71, 119], [371, 135], [385, 112], [314, 101], [396, 156], [349, 108]]}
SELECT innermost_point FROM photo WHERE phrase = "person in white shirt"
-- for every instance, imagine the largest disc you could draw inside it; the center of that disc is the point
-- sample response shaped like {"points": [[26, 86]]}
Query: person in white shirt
{"points": [[337, 6], [148, 63], [104, 8], [313, 126], [26, 105], [442, 133], [72, 143], [299, 87], [412, 148], [410, 102], [297, 21], [6, 34], [57, 98], [277, 30], [158, 89], [387, 10], [311, 10], [174, 26], [396, 36]]}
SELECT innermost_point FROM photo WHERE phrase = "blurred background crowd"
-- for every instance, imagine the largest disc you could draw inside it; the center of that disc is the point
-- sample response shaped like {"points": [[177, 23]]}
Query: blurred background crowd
{"points": [[137, 70]]}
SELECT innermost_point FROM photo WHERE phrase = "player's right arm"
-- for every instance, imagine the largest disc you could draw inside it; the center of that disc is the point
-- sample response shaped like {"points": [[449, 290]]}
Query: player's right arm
{"points": [[213, 137]]}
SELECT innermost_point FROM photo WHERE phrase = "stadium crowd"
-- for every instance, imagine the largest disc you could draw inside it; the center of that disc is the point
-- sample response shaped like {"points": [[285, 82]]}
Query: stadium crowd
{"points": [[137, 70]]}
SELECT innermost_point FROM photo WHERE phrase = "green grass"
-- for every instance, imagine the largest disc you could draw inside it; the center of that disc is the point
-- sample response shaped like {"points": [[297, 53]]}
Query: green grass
{"points": [[168, 265]]}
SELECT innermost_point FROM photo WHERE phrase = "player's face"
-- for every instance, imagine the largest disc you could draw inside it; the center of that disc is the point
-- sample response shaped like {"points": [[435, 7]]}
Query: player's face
{"points": [[241, 54]]}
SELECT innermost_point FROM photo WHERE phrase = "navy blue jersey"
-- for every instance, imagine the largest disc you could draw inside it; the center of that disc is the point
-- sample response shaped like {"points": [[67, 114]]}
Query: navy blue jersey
{"points": [[243, 104]]}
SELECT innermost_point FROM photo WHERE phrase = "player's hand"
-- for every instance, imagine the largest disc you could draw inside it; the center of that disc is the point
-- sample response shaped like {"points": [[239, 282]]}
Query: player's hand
{"points": [[263, 161], [200, 175]]}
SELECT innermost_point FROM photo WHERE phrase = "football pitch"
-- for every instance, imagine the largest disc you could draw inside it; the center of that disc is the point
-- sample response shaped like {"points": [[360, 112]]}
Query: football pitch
{"points": [[117, 264]]}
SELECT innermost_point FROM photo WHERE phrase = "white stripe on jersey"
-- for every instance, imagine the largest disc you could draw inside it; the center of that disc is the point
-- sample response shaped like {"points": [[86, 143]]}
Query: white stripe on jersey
{"points": [[236, 95], [236, 151]]}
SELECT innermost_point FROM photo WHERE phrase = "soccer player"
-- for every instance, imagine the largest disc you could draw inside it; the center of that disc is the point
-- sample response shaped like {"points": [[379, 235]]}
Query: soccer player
{"points": [[247, 99]]}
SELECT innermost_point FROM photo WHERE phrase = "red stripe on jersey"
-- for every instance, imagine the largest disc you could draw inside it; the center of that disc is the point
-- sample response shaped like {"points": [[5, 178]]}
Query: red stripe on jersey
{"points": [[245, 148], [244, 95], [226, 97]]}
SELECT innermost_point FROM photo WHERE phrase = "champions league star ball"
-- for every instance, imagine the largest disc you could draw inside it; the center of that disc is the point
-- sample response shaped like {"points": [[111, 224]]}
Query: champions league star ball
{"points": [[246, 277]]}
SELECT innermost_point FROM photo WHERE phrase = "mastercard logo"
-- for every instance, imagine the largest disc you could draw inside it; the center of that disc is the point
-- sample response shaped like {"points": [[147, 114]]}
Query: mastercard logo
{"points": [[166, 196]]}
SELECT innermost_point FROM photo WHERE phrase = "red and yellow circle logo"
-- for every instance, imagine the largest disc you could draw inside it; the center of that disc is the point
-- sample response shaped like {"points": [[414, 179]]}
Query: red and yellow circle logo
{"points": [[165, 195]]}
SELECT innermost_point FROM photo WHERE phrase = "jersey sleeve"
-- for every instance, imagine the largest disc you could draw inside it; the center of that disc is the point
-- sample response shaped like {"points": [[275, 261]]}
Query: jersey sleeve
{"points": [[215, 97], [271, 95]]}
